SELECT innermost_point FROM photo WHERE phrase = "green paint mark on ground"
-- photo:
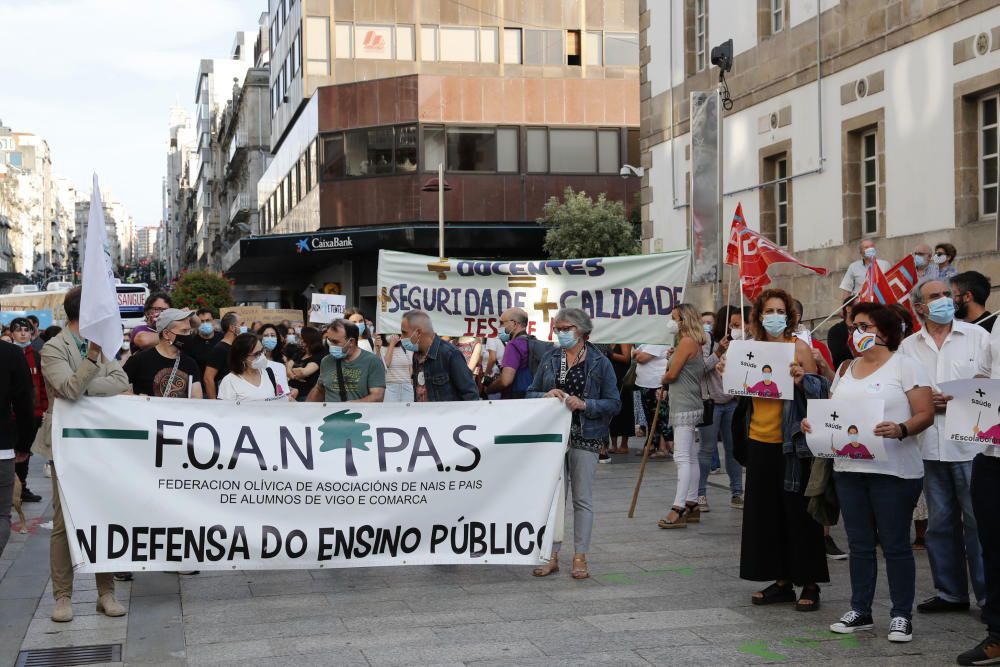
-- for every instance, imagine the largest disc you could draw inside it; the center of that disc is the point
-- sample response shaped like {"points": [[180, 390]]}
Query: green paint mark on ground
{"points": [[761, 650], [627, 578], [106, 433], [800, 642], [615, 578]]}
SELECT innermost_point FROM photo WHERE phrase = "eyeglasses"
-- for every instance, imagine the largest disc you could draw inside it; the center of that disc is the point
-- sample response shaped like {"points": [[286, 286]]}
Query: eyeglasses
{"points": [[565, 329], [863, 327]]}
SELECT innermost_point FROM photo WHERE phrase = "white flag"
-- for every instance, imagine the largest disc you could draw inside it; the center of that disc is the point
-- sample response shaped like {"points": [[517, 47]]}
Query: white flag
{"points": [[100, 320]]}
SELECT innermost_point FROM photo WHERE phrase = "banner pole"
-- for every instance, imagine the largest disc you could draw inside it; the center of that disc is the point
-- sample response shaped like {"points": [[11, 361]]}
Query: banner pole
{"points": [[645, 459], [721, 153], [842, 306]]}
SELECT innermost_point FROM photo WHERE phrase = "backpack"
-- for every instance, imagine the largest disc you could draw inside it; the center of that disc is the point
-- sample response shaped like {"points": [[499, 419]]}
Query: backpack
{"points": [[526, 374]]}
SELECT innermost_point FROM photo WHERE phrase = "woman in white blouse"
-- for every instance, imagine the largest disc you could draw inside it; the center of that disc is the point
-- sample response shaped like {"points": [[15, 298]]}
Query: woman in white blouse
{"points": [[251, 376], [877, 497]]}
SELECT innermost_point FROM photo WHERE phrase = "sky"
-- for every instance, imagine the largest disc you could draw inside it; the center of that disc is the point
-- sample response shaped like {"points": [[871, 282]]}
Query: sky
{"points": [[96, 79]]}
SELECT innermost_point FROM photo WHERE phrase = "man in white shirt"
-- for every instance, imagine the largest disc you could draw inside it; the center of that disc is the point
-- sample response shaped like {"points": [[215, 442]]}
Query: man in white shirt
{"points": [[922, 260], [854, 278], [651, 364], [950, 350]]}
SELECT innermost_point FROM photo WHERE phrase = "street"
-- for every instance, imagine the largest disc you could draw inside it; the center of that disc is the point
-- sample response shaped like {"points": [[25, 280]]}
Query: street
{"points": [[656, 597]]}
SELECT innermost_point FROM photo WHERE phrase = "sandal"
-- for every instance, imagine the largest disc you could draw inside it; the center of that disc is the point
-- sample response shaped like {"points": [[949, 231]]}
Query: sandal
{"points": [[774, 594], [693, 513], [580, 567], [810, 595], [658, 455], [680, 521], [549, 568]]}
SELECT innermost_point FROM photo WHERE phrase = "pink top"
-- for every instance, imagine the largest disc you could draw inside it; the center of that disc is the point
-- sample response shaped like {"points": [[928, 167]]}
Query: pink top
{"points": [[858, 451], [765, 390], [992, 434]]}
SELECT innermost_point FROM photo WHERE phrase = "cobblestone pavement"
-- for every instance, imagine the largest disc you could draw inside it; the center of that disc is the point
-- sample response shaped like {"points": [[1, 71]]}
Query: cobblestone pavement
{"points": [[655, 598]]}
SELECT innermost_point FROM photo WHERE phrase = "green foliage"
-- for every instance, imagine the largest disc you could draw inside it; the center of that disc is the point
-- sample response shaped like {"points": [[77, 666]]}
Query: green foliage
{"points": [[342, 430], [197, 289], [579, 227]]}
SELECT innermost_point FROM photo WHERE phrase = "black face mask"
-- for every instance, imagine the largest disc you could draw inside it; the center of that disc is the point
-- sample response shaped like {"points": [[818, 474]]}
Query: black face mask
{"points": [[180, 341]]}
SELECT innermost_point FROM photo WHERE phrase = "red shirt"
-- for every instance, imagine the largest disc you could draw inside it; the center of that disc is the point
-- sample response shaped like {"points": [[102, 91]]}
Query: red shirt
{"points": [[35, 365]]}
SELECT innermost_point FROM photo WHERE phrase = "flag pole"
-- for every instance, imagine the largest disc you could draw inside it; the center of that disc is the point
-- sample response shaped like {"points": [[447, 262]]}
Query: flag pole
{"points": [[842, 306], [743, 296]]}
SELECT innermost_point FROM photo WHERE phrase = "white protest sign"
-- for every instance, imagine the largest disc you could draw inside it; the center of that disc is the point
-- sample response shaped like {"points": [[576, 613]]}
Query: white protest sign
{"points": [[845, 429], [754, 368], [973, 413], [629, 298], [308, 485], [327, 307]]}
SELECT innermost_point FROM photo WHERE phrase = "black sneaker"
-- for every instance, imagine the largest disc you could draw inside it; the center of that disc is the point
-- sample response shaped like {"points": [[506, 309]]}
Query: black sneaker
{"points": [[604, 458], [833, 552], [28, 497], [986, 653], [852, 621], [123, 576], [900, 630], [937, 605]]}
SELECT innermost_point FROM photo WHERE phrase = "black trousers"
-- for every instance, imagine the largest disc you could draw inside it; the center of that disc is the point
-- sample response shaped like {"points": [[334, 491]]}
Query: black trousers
{"points": [[985, 501]]}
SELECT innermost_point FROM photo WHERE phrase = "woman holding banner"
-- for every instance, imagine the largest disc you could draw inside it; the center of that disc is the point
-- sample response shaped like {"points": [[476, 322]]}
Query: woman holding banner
{"points": [[581, 377], [780, 541], [877, 497]]}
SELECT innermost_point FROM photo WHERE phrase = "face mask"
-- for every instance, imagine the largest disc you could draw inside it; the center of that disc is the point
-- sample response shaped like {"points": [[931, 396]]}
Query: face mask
{"points": [[361, 328], [708, 329], [243, 330], [567, 339], [292, 340], [260, 363], [864, 340], [940, 259], [672, 329], [180, 341], [504, 336], [942, 311], [870, 253], [336, 351], [125, 346], [206, 328], [766, 376], [22, 345], [854, 438], [775, 324], [269, 342], [920, 261], [736, 334]]}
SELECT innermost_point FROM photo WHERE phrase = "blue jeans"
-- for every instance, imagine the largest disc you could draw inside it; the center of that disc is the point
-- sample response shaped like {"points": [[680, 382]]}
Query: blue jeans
{"points": [[722, 422], [952, 540], [879, 507]]}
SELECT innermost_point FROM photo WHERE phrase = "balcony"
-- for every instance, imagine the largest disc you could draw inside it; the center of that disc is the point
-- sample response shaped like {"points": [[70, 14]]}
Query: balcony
{"points": [[237, 147], [243, 204]]}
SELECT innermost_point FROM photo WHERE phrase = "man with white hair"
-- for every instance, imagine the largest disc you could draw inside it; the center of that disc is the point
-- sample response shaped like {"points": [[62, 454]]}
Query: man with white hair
{"points": [[440, 372], [950, 350], [922, 260], [854, 278]]}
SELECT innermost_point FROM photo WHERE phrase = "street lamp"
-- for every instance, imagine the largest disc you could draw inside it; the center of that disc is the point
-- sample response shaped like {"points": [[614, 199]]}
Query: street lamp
{"points": [[440, 186]]}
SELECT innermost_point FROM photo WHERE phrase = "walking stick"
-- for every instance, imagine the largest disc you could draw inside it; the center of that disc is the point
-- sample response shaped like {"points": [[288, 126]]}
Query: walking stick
{"points": [[645, 458]]}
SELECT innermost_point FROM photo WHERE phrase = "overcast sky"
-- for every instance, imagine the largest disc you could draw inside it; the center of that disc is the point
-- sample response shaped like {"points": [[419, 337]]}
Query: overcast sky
{"points": [[96, 79]]}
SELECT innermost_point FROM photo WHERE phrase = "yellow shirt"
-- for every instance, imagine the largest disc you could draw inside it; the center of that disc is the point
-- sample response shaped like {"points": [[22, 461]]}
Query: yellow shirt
{"points": [[765, 423]]}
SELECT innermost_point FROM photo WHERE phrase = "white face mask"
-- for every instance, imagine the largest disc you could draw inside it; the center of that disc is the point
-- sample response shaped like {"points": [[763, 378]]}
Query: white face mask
{"points": [[940, 259], [672, 328], [260, 363], [736, 334]]}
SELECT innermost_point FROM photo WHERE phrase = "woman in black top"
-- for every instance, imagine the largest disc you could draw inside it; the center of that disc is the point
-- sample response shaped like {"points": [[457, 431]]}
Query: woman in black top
{"points": [[304, 371]]}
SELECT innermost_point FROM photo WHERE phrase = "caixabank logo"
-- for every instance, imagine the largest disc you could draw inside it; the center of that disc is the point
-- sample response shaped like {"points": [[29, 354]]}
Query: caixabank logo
{"points": [[318, 243]]}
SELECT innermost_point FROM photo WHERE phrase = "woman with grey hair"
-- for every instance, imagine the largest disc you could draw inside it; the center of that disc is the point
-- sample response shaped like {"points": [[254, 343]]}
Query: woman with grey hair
{"points": [[581, 377]]}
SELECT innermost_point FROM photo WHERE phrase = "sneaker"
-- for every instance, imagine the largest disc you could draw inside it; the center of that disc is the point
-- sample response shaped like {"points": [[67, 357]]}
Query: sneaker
{"points": [[938, 604], [736, 502], [703, 504], [47, 470], [715, 471], [833, 552], [28, 497], [986, 653], [852, 621], [604, 458], [900, 630]]}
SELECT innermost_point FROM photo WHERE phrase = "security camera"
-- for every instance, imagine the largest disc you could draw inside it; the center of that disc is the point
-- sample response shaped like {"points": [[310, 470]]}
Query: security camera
{"points": [[722, 56], [628, 171]]}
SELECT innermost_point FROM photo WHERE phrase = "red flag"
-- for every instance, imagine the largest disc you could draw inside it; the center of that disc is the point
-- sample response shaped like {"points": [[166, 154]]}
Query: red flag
{"points": [[876, 288], [753, 254], [902, 279]]}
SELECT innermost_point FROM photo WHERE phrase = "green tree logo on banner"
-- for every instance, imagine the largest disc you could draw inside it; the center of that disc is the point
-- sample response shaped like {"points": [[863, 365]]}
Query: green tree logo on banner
{"points": [[342, 430]]}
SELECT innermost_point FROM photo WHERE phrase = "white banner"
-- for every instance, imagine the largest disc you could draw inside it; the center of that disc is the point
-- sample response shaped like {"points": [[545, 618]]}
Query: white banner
{"points": [[973, 413], [845, 429], [629, 298], [202, 485], [326, 308], [754, 368]]}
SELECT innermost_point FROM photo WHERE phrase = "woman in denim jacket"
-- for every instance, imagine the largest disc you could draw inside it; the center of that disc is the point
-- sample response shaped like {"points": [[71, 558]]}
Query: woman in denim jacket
{"points": [[579, 375]]}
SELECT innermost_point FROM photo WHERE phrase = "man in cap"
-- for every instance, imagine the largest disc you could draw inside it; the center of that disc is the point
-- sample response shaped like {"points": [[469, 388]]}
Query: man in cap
{"points": [[164, 369]]}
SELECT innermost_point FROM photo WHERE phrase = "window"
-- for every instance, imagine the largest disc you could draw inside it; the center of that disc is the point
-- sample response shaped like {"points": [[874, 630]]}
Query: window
{"points": [[458, 45], [379, 151], [543, 47], [512, 46], [869, 184], [609, 160], [621, 49], [428, 43], [700, 34], [573, 151], [308, 166], [344, 37], [433, 147], [593, 49], [406, 149], [573, 48], [318, 37], [777, 16], [404, 42], [487, 45], [989, 155], [293, 186], [296, 54], [538, 150], [333, 156], [507, 149], [471, 149], [373, 42], [314, 162], [781, 201]]}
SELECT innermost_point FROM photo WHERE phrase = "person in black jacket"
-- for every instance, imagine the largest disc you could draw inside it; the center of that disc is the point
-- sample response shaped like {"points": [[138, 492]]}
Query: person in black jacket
{"points": [[17, 425], [837, 336]]}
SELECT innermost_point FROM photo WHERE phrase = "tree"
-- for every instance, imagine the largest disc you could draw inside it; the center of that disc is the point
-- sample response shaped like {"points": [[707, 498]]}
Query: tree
{"points": [[202, 289], [342, 430], [581, 227]]}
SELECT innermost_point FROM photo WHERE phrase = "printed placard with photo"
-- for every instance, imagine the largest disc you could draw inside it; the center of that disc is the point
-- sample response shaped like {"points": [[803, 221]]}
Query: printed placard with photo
{"points": [[973, 414], [758, 369], [845, 429]]}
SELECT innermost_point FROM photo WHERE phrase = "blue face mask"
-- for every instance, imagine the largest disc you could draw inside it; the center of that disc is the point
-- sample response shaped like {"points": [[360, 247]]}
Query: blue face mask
{"points": [[870, 253], [567, 339], [766, 376], [269, 342], [206, 328], [409, 345], [775, 324], [292, 340], [942, 311], [361, 328], [243, 330], [920, 261], [504, 336], [336, 351], [22, 345]]}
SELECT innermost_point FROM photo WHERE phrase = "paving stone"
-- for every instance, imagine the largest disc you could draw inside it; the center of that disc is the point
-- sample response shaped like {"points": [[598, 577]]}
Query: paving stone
{"points": [[357, 640], [505, 651], [422, 620], [624, 658]]}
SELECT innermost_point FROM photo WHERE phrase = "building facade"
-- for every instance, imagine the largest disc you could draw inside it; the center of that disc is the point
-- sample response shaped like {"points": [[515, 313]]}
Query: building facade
{"points": [[178, 242], [870, 119], [517, 101]]}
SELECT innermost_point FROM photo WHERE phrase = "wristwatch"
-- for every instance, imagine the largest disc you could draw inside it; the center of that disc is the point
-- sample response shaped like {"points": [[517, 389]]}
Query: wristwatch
{"points": [[903, 431]]}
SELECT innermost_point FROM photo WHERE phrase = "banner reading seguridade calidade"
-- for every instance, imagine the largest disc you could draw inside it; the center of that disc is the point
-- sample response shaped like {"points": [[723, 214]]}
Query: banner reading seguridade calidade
{"points": [[204, 485], [629, 298]]}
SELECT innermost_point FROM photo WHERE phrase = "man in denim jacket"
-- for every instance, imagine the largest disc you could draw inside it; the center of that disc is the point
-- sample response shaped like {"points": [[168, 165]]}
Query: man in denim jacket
{"points": [[439, 369]]}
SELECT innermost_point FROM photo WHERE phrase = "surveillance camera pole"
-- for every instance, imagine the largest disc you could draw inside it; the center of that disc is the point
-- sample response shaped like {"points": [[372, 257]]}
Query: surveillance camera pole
{"points": [[721, 221]]}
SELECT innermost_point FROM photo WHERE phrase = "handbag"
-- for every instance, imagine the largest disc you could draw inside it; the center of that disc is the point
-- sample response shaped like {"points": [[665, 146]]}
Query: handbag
{"points": [[628, 380], [709, 412]]}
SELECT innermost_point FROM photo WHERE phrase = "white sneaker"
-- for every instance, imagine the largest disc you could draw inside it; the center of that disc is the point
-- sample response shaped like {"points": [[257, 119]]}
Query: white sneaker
{"points": [[47, 470], [900, 630], [703, 503]]}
